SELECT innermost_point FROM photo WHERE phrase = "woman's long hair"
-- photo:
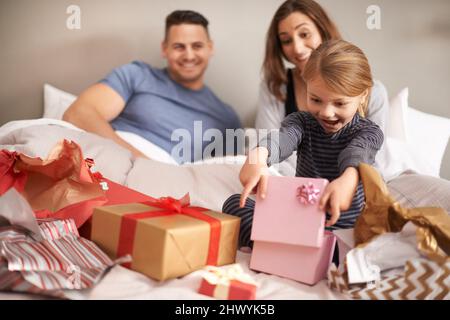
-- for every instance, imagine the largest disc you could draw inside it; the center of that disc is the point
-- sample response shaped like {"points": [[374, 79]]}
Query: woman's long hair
{"points": [[273, 66]]}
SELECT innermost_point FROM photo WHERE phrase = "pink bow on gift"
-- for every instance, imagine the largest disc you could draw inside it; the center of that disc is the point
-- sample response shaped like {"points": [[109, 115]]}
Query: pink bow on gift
{"points": [[308, 194]]}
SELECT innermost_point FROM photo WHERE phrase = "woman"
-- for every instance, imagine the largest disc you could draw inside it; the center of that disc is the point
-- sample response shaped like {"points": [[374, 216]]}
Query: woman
{"points": [[297, 28]]}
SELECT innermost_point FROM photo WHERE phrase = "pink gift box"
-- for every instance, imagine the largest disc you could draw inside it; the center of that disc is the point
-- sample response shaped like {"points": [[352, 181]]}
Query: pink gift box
{"points": [[289, 230], [301, 263]]}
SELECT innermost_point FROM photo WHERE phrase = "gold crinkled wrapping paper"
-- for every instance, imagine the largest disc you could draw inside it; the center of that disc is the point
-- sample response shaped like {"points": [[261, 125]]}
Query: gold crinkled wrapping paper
{"points": [[383, 214]]}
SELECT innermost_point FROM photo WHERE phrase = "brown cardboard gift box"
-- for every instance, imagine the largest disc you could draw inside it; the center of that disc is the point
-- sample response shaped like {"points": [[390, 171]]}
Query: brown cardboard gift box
{"points": [[166, 237]]}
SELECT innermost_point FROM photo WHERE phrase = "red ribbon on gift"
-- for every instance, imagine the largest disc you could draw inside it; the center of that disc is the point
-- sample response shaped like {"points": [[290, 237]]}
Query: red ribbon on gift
{"points": [[170, 206], [238, 290]]}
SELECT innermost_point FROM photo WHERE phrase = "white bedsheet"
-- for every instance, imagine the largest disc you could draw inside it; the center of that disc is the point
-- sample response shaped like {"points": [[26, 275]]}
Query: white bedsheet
{"points": [[121, 283], [208, 182]]}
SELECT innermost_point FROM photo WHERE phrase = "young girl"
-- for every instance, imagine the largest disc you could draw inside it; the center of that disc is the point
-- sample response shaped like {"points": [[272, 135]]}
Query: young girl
{"points": [[297, 28], [331, 138]]}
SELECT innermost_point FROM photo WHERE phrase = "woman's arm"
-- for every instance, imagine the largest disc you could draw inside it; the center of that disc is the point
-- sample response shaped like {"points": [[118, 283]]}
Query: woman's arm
{"points": [[269, 115], [378, 108], [270, 111]]}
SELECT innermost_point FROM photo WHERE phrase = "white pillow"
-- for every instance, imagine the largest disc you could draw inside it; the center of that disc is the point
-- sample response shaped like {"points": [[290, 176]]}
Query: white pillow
{"points": [[56, 102], [397, 157], [430, 135], [148, 148], [397, 125], [433, 192], [415, 140]]}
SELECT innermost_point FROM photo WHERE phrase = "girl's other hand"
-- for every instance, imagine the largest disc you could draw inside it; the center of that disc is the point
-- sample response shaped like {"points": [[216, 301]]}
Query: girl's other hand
{"points": [[339, 193], [253, 174]]}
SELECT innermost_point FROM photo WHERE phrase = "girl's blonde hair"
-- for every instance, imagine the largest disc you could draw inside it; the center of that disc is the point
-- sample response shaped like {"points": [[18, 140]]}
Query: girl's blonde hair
{"points": [[343, 67], [273, 65]]}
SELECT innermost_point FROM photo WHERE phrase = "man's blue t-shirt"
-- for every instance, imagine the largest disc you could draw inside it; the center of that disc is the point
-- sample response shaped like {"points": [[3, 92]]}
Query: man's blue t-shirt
{"points": [[155, 106]]}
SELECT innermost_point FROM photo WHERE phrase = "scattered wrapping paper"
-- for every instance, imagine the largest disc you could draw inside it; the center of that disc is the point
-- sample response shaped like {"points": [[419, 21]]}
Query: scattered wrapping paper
{"points": [[15, 210], [50, 261], [60, 187], [10, 178], [344, 241], [420, 279], [384, 252], [229, 283], [183, 238], [400, 253], [382, 214]]}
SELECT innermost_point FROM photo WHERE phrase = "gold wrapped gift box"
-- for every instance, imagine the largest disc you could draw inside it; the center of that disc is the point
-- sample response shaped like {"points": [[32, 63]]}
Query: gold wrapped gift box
{"points": [[169, 245]]}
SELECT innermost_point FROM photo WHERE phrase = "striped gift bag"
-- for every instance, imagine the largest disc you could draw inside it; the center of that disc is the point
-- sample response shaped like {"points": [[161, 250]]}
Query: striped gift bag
{"points": [[62, 260]]}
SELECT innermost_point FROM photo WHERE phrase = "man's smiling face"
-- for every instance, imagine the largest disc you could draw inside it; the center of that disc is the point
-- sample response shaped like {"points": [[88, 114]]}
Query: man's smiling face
{"points": [[187, 49]]}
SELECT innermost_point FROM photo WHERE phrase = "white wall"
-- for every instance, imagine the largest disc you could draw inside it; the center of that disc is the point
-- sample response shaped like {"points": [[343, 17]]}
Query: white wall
{"points": [[411, 49]]}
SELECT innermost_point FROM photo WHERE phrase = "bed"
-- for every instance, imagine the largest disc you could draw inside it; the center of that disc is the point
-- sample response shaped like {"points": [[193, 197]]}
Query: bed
{"points": [[209, 183]]}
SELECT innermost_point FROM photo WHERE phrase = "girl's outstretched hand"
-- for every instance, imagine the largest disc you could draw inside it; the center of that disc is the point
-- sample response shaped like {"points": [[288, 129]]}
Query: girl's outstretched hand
{"points": [[339, 193], [253, 174]]}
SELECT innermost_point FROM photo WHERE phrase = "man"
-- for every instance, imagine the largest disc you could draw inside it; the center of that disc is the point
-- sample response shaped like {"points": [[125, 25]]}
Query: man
{"points": [[152, 102]]}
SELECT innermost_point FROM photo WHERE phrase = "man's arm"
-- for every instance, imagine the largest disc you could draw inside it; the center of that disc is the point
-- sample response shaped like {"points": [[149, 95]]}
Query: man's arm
{"points": [[93, 110]]}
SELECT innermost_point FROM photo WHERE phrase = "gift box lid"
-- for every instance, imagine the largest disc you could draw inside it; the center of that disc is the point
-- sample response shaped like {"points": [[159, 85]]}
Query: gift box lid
{"points": [[290, 212]]}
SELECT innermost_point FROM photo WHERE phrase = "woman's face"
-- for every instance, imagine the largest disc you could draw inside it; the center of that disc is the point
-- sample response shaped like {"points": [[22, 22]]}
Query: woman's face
{"points": [[298, 36]]}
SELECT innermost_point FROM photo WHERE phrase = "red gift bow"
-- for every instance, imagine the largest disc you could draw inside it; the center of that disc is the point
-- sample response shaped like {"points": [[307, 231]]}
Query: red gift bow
{"points": [[170, 206]]}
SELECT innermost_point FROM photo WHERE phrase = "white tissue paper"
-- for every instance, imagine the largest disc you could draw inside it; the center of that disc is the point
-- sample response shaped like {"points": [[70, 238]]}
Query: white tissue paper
{"points": [[16, 210], [385, 252]]}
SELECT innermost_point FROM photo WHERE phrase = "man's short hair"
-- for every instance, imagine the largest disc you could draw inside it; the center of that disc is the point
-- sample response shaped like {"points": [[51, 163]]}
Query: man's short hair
{"points": [[178, 17]]}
